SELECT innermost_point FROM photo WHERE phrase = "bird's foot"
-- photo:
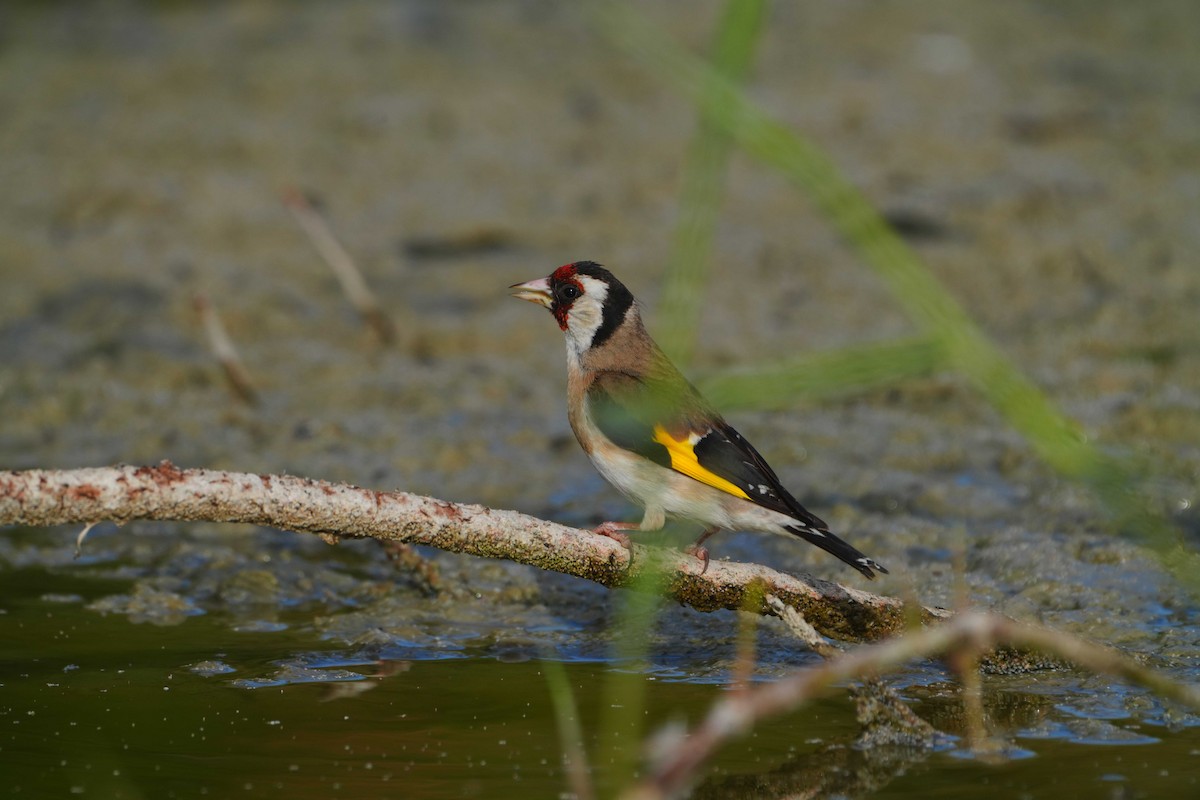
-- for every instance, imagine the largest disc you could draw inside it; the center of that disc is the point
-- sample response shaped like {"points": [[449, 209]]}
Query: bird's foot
{"points": [[614, 530], [695, 548], [700, 553]]}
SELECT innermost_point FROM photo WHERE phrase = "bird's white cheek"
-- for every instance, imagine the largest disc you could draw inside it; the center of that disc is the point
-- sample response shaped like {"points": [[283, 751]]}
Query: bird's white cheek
{"points": [[580, 331], [583, 324], [586, 314]]}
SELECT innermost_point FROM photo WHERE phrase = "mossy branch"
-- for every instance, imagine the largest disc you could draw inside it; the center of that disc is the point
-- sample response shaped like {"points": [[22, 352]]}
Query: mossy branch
{"points": [[331, 510]]}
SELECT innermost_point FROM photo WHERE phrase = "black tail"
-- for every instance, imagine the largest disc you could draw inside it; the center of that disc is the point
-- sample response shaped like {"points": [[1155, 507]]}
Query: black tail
{"points": [[836, 547]]}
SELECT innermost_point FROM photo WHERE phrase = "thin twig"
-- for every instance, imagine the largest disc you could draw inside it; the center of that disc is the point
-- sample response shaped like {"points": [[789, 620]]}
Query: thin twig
{"points": [[420, 571], [83, 535], [165, 492], [747, 638], [222, 346], [883, 715], [736, 714], [343, 266], [801, 628], [965, 661]]}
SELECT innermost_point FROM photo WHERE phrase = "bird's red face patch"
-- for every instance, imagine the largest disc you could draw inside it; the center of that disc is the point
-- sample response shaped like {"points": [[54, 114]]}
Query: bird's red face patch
{"points": [[565, 287]]}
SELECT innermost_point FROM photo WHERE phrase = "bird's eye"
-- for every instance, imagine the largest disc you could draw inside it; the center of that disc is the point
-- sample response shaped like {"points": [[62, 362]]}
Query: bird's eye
{"points": [[568, 291]]}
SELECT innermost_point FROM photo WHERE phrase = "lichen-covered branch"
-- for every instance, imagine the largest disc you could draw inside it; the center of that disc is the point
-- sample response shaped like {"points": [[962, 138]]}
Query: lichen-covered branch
{"points": [[165, 492]]}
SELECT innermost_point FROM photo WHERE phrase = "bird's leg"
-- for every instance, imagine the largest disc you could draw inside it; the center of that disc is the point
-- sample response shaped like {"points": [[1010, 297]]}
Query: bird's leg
{"points": [[653, 520], [699, 552], [613, 530]]}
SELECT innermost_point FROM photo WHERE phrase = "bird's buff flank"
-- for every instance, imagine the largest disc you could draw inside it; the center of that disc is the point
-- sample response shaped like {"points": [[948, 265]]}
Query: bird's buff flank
{"points": [[650, 433]]}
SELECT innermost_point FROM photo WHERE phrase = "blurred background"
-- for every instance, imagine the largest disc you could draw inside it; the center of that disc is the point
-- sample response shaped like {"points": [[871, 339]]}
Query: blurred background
{"points": [[1040, 158]]}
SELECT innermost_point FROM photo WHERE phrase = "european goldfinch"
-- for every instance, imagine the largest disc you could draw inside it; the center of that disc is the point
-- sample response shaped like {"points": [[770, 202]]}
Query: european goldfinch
{"points": [[650, 433]]}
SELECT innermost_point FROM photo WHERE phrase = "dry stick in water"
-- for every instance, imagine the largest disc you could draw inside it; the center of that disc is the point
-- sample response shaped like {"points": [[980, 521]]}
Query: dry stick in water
{"points": [[347, 273], [801, 629], [165, 492], [222, 346], [965, 663], [737, 713], [884, 716]]}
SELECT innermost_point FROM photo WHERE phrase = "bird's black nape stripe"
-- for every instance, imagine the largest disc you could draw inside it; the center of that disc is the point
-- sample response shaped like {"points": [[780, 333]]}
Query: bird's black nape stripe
{"points": [[616, 304]]}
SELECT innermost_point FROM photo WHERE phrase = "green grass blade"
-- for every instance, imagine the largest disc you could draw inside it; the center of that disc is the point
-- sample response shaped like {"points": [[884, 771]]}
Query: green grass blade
{"points": [[846, 370], [704, 173], [927, 302], [618, 751], [570, 732]]}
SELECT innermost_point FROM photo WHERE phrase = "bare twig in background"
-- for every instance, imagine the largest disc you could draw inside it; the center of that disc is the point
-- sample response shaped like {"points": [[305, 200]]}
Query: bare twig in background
{"points": [[800, 627], [747, 639], [343, 266], [222, 346], [737, 713], [420, 572], [83, 535], [884, 716], [965, 663], [165, 492]]}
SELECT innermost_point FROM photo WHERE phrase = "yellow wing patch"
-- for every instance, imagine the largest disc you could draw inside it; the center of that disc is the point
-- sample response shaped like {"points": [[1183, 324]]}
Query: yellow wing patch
{"points": [[683, 459]]}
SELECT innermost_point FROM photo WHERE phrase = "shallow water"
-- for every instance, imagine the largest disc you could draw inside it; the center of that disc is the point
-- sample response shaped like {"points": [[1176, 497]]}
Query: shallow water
{"points": [[1042, 160], [95, 706]]}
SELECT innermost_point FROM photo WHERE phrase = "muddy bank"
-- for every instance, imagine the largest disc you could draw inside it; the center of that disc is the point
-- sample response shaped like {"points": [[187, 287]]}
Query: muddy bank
{"points": [[1040, 158]]}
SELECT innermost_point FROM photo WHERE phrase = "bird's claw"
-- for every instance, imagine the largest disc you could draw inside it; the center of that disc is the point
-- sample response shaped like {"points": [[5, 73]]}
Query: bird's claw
{"points": [[615, 531], [700, 553]]}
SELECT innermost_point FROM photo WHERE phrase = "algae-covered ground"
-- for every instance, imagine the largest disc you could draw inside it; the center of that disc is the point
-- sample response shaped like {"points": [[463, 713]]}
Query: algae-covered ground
{"points": [[1040, 157]]}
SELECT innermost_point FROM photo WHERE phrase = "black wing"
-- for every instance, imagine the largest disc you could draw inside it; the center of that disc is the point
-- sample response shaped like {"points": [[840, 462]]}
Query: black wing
{"points": [[669, 423], [725, 452]]}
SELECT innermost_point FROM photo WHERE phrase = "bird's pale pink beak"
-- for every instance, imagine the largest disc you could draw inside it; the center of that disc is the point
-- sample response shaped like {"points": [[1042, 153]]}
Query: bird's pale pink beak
{"points": [[534, 291]]}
